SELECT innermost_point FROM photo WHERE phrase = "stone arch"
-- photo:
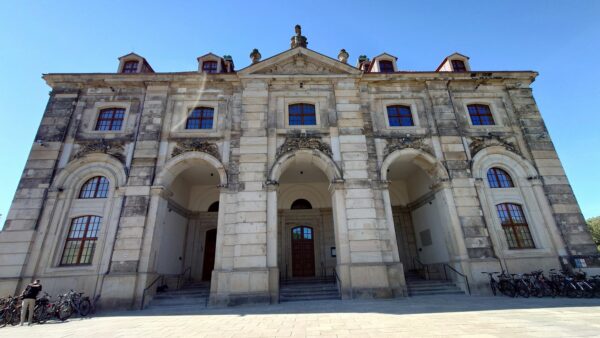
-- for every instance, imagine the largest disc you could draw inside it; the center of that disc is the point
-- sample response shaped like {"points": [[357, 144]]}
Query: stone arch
{"points": [[422, 159], [84, 168], [179, 163], [319, 159], [497, 156]]}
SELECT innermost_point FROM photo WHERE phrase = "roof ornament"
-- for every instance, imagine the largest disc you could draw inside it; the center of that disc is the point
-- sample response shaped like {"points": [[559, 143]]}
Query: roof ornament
{"points": [[255, 56], [343, 56], [298, 40]]}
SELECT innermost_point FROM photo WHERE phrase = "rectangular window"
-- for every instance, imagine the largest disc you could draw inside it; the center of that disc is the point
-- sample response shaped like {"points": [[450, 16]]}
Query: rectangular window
{"points": [[386, 66], [209, 66], [130, 67], [458, 66], [481, 115], [81, 241], [302, 114], [200, 118], [400, 116], [110, 119], [515, 226]]}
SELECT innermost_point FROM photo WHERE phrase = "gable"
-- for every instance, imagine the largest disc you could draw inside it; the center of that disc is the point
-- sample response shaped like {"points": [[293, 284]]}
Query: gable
{"points": [[299, 61]]}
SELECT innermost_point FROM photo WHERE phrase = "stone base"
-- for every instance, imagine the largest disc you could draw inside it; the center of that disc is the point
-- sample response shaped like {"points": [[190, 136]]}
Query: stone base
{"points": [[372, 280], [119, 292], [230, 288]]}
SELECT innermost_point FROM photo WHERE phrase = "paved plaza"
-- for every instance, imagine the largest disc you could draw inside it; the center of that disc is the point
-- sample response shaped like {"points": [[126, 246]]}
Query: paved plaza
{"points": [[425, 316]]}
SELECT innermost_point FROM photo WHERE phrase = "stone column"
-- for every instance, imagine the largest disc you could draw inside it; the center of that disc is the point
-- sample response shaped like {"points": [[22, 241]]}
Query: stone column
{"points": [[389, 218], [342, 243], [272, 229]]}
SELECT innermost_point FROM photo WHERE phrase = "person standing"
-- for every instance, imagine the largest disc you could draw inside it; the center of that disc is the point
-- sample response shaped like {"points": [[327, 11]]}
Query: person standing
{"points": [[29, 295]]}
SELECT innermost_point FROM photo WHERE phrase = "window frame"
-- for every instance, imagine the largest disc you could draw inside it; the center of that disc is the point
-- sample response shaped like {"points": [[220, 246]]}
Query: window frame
{"points": [[82, 241], [211, 70], [302, 115], [498, 180], [111, 120], [400, 116], [390, 63], [201, 118], [463, 68], [511, 226], [490, 114], [97, 188], [129, 70]]}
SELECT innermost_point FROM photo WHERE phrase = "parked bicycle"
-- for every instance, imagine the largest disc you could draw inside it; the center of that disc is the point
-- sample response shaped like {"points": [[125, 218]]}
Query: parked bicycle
{"points": [[502, 283]]}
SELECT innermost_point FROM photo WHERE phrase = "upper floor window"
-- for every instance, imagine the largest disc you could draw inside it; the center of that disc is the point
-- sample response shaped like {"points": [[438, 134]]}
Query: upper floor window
{"points": [[200, 118], [386, 66], [110, 119], [130, 67], [302, 114], [459, 66], [81, 240], [515, 226], [498, 178], [480, 114], [209, 66], [400, 116], [301, 204], [95, 187]]}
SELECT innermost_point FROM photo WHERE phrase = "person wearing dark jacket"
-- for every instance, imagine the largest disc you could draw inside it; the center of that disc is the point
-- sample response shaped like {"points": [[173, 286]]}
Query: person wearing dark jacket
{"points": [[29, 295]]}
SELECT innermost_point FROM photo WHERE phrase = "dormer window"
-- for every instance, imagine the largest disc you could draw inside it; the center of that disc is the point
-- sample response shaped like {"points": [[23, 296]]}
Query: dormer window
{"points": [[209, 66], [459, 66], [130, 67], [386, 66]]}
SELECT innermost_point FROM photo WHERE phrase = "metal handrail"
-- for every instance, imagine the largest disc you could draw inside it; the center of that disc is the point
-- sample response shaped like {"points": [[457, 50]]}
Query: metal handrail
{"points": [[460, 274], [182, 275], [337, 277], [425, 266], [148, 288], [323, 271]]}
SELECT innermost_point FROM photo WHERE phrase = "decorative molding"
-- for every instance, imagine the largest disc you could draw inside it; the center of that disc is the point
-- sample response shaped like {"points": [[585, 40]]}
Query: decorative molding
{"points": [[300, 65], [407, 142], [196, 145], [303, 142], [113, 148], [479, 143]]}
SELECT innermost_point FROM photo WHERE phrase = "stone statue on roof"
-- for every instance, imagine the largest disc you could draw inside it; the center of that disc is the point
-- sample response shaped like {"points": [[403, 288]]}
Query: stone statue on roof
{"points": [[298, 40]]}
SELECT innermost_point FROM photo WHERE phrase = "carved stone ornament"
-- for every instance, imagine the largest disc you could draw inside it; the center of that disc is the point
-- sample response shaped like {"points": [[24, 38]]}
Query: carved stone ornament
{"points": [[295, 143], [407, 142], [299, 65], [479, 143], [113, 148], [196, 145]]}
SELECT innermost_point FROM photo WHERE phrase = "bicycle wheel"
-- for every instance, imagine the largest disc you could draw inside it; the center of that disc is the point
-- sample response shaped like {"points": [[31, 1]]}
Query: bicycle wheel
{"points": [[40, 314], [85, 307], [573, 292], [64, 311], [2, 318], [493, 287], [523, 291], [507, 288], [15, 317]]}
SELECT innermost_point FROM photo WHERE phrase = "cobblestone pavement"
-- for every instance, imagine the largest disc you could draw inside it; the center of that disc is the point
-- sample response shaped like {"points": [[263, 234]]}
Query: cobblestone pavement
{"points": [[411, 317]]}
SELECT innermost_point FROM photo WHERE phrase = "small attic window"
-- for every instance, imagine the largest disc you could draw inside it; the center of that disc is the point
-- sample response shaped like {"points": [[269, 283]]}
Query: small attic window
{"points": [[458, 66], [130, 67], [209, 66], [386, 66]]}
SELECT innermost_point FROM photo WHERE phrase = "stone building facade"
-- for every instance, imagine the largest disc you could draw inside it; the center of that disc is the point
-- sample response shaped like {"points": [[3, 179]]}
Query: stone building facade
{"points": [[295, 166]]}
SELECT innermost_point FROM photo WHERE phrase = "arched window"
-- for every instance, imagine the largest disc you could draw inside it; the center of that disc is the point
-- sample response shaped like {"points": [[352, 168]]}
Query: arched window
{"points": [[214, 207], [459, 66], [400, 116], [480, 114], [515, 226], [130, 67], [498, 178], [110, 119], [95, 187], [301, 204], [302, 114], [81, 241], [200, 118], [386, 66]]}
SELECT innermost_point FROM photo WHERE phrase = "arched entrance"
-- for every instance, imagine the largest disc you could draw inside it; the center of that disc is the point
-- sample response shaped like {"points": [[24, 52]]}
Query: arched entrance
{"points": [[424, 223], [188, 216]]}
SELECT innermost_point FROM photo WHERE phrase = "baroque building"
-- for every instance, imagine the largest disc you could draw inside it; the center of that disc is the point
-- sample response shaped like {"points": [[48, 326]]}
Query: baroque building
{"points": [[297, 166]]}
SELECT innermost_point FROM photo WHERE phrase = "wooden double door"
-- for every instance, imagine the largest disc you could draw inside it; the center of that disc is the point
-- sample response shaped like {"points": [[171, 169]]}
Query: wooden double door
{"points": [[303, 251], [209, 254]]}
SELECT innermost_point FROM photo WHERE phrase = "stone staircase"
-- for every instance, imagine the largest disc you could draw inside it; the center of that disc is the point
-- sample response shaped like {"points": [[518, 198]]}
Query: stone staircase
{"points": [[418, 286], [193, 294], [306, 289]]}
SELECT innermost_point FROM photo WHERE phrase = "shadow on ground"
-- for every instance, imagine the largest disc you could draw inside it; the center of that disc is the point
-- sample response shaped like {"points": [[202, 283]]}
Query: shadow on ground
{"points": [[402, 306]]}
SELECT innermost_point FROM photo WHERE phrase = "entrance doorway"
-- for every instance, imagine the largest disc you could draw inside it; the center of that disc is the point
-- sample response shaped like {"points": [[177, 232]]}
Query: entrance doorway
{"points": [[209, 254], [303, 252]]}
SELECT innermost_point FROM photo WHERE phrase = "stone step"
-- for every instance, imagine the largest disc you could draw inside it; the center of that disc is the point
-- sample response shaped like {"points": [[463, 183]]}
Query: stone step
{"points": [[307, 292], [309, 297], [178, 301], [438, 292]]}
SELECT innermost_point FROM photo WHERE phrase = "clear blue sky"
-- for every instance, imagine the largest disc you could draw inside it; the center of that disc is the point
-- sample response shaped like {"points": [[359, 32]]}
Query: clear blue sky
{"points": [[560, 40]]}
